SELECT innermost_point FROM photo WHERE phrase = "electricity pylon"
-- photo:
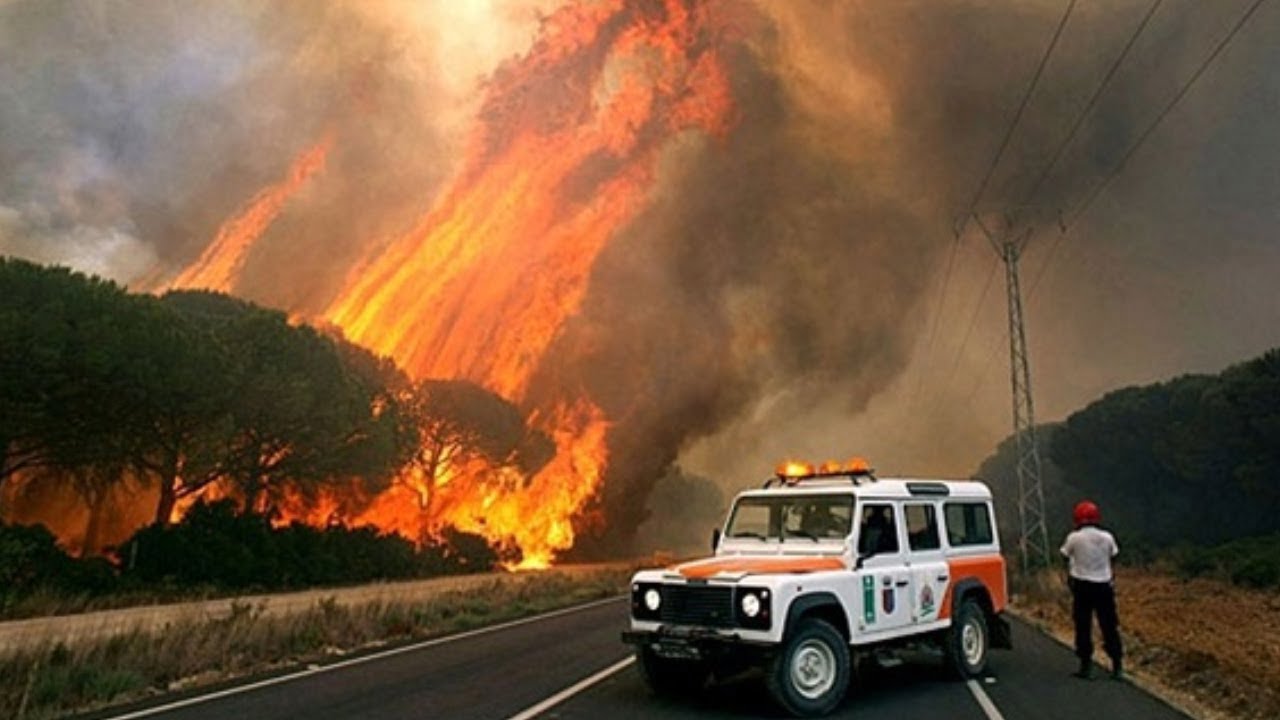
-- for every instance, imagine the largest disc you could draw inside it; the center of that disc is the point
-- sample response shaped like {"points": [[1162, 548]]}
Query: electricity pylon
{"points": [[1033, 541]]}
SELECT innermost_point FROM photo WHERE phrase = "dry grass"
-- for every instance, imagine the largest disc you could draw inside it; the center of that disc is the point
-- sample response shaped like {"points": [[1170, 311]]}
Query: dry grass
{"points": [[1211, 647], [56, 679]]}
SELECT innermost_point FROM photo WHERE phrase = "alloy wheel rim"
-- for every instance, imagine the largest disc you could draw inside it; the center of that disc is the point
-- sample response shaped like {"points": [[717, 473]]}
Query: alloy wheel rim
{"points": [[971, 643], [813, 669]]}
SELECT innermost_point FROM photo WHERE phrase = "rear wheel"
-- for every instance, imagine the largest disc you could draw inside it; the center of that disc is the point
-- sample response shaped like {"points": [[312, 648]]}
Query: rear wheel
{"points": [[810, 674], [966, 642], [668, 676]]}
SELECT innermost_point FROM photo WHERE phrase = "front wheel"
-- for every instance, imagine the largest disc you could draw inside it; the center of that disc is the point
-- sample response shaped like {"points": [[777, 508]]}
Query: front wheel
{"points": [[966, 642], [810, 674]]}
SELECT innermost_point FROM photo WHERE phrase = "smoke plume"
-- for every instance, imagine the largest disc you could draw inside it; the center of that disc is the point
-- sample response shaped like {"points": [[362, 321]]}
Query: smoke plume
{"points": [[774, 290]]}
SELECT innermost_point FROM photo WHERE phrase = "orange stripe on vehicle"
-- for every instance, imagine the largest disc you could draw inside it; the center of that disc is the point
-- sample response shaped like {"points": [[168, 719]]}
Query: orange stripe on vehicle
{"points": [[702, 569], [987, 569]]}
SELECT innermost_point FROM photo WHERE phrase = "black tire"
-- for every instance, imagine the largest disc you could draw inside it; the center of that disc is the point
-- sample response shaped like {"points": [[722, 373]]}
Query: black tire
{"points": [[810, 674], [967, 642], [670, 677]]}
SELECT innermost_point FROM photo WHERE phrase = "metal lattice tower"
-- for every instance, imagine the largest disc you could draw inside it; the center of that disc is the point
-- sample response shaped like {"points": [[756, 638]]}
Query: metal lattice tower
{"points": [[1033, 541]]}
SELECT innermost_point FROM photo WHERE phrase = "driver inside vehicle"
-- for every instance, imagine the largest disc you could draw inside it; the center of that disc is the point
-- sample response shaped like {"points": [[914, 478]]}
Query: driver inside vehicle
{"points": [[819, 521], [877, 534]]}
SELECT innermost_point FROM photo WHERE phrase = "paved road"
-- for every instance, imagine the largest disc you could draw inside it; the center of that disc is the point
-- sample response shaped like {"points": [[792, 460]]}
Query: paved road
{"points": [[536, 668]]}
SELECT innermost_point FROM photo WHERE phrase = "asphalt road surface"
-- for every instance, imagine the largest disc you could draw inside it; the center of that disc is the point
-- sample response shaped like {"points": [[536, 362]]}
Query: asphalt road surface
{"points": [[571, 665]]}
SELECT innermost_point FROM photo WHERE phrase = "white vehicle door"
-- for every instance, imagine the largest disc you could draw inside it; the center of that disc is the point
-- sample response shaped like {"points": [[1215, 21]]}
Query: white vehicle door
{"points": [[928, 565], [884, 601]]}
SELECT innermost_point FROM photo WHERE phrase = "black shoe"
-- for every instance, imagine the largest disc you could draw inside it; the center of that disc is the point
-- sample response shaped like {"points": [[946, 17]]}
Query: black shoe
{"points": [[1117, 670], [1086, 670]]}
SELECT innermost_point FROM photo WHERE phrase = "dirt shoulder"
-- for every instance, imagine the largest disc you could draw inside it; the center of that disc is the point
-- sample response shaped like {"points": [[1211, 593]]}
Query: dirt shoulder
{"points": [[1208, 646]]}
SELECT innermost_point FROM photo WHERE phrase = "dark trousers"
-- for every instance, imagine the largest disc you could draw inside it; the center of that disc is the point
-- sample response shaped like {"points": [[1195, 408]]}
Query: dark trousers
{"points": [[1089, 598]]}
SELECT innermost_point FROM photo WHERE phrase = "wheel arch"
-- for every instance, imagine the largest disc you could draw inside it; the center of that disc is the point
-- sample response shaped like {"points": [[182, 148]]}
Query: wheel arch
{"points": [[822, 605], [973, 589]]}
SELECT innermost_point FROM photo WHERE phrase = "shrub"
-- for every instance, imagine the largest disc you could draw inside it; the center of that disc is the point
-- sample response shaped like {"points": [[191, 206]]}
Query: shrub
{"points": [[217, 545]]}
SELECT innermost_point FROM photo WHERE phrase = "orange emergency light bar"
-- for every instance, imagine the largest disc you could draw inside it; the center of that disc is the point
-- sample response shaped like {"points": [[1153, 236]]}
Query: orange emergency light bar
{"points": [[793, 471]]}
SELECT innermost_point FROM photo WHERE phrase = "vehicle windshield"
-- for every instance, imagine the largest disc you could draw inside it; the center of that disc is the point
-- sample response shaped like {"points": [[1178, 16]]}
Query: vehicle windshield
{"points": [[804, 518]]}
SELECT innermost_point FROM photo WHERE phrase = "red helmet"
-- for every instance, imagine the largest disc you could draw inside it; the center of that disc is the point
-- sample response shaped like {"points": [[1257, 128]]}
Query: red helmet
{"points": [[1086, 513]]}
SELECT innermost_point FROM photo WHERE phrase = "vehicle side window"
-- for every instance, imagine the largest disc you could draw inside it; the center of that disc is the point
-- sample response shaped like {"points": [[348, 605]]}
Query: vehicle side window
{"points": [[968, 524], [922, 527], [878, 532]]}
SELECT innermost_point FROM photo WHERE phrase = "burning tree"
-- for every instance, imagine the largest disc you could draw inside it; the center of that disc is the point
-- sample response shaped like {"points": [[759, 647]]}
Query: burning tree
{"points": [[100, 387], [293, 413], [463, 429]]}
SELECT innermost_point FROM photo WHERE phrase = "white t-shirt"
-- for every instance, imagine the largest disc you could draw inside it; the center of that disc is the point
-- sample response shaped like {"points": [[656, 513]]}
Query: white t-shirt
{"points": [[1090, 550]]}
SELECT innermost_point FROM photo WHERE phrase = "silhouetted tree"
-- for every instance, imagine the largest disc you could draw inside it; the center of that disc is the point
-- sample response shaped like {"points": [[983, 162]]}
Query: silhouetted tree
{"points": [[458, 424]]}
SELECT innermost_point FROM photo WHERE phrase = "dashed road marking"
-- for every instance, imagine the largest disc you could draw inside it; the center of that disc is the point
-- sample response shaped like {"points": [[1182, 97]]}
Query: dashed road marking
{"points": [[984, 701], [535, 710]]}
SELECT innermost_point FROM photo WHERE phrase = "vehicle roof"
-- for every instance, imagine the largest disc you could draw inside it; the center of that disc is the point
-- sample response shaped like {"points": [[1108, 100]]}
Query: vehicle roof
{"points": [[867, 487]]}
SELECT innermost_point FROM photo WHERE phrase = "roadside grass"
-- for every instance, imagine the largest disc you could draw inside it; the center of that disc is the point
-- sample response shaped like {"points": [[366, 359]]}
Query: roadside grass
{"points": [[48, 601], [62, 678]]}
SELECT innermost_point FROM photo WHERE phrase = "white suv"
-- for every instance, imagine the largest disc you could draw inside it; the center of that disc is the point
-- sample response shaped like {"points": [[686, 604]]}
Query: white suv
{"points": [[818, 569]]}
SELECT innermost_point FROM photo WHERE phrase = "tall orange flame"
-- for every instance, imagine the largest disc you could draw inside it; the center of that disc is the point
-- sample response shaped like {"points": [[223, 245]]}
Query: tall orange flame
{"points": [[220, 264], [563, 157], [485, 282]]}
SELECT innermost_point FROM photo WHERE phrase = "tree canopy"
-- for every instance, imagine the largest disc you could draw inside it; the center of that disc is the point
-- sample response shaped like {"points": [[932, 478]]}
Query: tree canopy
{"points": [[104, 392], [1195, 459], [182, 391]]}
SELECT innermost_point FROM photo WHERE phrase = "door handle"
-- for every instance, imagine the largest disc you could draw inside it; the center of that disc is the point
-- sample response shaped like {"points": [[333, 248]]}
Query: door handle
{"points": [[901, 583], [942, 578]]}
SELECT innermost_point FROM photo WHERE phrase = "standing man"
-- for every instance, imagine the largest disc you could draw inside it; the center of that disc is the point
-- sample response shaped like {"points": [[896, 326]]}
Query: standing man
{"points": [[1089, 550]]}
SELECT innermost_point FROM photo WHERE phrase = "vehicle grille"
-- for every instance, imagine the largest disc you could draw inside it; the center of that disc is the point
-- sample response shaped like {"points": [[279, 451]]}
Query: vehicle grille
{"points": [[695, 605]]}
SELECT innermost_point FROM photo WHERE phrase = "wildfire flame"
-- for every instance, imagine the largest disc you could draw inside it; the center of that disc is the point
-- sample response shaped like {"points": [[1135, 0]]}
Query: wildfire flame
{"points": [[563, 157], [220, 264]]}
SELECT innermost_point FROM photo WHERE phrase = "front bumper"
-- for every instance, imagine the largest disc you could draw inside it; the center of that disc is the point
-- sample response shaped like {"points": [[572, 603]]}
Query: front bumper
{"points": [[693, 643]]}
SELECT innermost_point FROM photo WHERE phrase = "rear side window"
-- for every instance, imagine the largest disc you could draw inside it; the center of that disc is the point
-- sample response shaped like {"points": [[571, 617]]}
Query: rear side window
{"points": [[922, 527], [968, 524]]}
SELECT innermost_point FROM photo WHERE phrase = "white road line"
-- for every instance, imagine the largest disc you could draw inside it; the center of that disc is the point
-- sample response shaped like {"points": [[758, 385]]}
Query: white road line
{"points": [[565, 694], [984, 701], [316, 670]]}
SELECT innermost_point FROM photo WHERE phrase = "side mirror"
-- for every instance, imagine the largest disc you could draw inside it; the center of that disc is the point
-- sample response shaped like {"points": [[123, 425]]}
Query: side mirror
{"points": [[862, 558], [715, 539]]}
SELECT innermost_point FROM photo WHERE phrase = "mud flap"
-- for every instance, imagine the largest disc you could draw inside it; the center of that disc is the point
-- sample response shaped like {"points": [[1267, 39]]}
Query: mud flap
{"points": [[1001, 632]]}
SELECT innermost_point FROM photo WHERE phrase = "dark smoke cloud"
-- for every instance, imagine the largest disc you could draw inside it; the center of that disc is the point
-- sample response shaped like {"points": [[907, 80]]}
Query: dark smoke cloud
{"points": [[777, 297], [130, 130], [775, 301]]}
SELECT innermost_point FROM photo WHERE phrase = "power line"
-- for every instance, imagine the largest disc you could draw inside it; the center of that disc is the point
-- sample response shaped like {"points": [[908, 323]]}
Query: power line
{"points": [[982, 188], [973, 320], [1119, 167], [1017, 117], [1068, 224], [937, 317], [1088, 107]]}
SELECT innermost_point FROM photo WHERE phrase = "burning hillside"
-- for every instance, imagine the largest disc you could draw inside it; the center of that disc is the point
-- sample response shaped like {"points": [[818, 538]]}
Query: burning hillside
{"points": [[564, 155], [629, 249], [636, 226]]}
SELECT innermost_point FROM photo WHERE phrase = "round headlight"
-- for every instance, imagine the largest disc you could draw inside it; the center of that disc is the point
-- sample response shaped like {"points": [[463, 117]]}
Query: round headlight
{"points": [[750, 605], [652, 599]]}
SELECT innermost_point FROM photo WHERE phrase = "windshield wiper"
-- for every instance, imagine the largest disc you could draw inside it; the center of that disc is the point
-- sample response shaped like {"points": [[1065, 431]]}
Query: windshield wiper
{"points": [[749, 533], [801, 533]]}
